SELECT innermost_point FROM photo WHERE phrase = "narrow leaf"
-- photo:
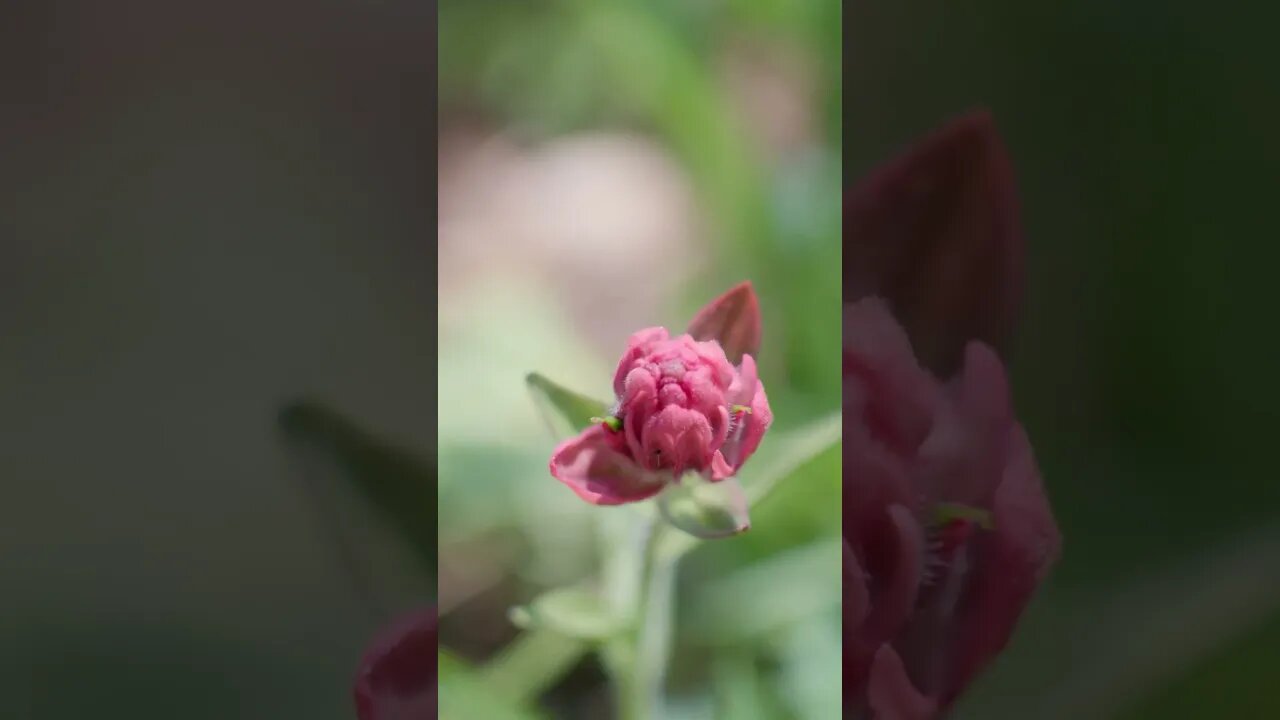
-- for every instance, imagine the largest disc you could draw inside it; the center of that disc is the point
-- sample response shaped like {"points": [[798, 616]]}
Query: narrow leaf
{"points": [[531, 663], [566, 411], [465, 695], [399, 485]]}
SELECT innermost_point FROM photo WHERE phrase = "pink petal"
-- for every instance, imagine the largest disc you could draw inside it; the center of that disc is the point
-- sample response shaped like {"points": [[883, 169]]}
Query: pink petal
{"points": [[890, 692], [936, 232], [678, 438], [1013, 560], [637, 347], [964, 458], [751, 426], [599, 473], [891, 544], [895, 397], [398, 675], [857, 601], [733, 320], [899, 583]]}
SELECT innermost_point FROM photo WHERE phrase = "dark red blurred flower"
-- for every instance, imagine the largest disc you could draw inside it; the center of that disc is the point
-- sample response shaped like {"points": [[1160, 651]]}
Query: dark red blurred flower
{"points": [[947, 529], [936, 234], [397, 677]]}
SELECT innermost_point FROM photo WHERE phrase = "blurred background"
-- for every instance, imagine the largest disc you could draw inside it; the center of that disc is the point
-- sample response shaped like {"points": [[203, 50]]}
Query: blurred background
{"points": [[608, 166], [206, 210], [1145, 365]]}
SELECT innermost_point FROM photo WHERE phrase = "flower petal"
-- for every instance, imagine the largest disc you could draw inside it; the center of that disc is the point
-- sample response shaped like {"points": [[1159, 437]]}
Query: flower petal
{"points": [[398, 675], [733, 320], [752, 423], [637, 345], [1013, 560], [888, 396], [890, 692], [593, 467], [678, 438], [856, 598], [936, 232], [963, 459]]}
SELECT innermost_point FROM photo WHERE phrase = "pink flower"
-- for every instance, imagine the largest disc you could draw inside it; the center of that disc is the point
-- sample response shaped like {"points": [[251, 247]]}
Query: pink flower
{"points": [[398, 675], [691, 403], [947, 529]]}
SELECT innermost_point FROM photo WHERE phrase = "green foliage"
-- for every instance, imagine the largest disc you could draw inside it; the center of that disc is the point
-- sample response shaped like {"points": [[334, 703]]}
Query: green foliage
{"points": [[465, 695]]}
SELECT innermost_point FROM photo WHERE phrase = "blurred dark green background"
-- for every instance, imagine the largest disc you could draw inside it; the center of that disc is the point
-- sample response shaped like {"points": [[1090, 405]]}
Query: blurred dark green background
{"points": [[1142, 135], [205, 210]]}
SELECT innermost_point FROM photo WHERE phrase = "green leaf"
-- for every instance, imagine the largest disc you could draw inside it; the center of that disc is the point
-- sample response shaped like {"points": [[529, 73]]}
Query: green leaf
{"points": [[705, 509], [465, 695], [809, 573], [574, 410], [575, 612], [398, 485], [531, 663], [739, 691], [791, 453]]}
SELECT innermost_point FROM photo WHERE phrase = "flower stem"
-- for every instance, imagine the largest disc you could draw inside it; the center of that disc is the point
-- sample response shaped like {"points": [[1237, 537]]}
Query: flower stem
{"points": [[653, 635]]}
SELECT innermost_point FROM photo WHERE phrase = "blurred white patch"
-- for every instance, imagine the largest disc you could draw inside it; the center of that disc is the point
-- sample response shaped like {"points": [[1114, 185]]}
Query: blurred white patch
{"points": [[776, 93], [607, 221]]}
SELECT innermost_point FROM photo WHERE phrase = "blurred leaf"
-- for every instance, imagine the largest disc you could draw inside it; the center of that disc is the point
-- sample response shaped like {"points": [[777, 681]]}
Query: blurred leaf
{"points": [[1132, 640], [576, 612], [810, 656], [737, 687], [465, 695], [1238, 681], [531, 663], [809, 573], [574, 409], [398, 484], [791, 453], [707, 510]]}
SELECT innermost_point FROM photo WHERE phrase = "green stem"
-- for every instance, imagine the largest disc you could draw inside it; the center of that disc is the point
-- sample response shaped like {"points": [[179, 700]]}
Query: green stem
{"points": [[533, 662], [642, 657]]}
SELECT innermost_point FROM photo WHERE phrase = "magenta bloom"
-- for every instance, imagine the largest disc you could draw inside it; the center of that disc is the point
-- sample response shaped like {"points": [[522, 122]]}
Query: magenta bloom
{"points": [[397, 679], [691, 403], [947, 529]]}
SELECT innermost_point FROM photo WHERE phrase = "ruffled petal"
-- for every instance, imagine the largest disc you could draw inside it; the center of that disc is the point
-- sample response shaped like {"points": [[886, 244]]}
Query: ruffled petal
{"points": [[890, 692], [637, 346], [751, 424], [599, 473], [964, 457], [1012, 561], [678, 438], [895, 395]]}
